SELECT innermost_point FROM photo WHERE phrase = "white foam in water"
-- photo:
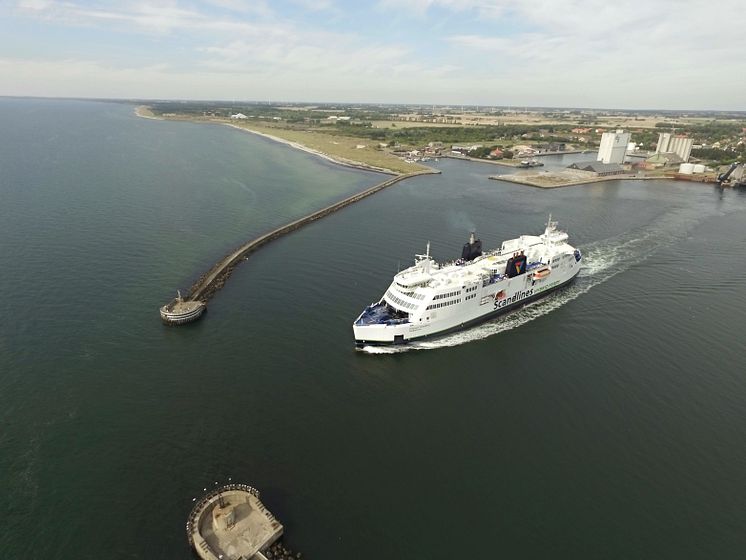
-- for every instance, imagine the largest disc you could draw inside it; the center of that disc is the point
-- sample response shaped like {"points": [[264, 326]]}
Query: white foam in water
{"points": [[601, 261]]}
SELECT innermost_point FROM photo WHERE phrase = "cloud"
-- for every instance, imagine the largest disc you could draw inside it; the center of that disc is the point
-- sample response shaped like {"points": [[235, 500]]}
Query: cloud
{"points": [[34, 5], [481, 8], [575, 52], [316, 5], [259, 7], [162, 17]]}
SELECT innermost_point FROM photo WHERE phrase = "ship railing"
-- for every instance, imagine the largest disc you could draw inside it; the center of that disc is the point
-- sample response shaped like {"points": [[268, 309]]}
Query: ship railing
{"points": [[492, 279]]}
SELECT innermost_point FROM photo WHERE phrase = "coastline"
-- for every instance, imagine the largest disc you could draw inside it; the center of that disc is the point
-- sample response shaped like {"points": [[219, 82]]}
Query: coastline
{"points": [[298, 146], [143, 111], [540, 181], [503, 163]]}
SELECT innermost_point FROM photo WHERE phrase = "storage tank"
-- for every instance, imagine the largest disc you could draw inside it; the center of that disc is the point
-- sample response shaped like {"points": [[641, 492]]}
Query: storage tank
{"points": [[699, 167], [686, 168]]}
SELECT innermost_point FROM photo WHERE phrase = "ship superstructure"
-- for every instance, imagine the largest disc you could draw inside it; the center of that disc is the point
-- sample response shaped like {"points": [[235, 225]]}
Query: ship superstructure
{"points": [[431, 298]]}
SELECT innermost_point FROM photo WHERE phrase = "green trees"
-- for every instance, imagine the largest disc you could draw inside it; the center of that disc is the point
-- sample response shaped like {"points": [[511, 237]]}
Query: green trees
{"points": [[482, 152], [717, 155]]}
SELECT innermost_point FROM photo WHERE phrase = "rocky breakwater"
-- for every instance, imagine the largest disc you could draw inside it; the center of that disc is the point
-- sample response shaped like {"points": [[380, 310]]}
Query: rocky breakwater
{"points": [[184, 310]]}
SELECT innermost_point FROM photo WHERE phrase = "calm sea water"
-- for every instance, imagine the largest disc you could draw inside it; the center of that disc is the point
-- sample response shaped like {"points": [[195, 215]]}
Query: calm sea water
{"points": [[607, 421]]}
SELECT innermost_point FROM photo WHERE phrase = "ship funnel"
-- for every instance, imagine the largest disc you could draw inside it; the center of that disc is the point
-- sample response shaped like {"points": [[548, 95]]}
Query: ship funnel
{"points": [[472, 249]]}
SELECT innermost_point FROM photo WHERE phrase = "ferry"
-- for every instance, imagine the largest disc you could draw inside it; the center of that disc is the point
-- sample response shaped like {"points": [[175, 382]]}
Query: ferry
{"points": [[430, 298]]}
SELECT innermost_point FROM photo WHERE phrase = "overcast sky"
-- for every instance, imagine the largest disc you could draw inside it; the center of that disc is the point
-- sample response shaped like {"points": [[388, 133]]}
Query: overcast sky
{"points": [[666, 54]]}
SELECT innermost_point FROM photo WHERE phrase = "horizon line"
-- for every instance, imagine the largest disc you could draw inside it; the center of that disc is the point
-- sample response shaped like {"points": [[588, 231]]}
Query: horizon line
{"points": [[369, 103]]}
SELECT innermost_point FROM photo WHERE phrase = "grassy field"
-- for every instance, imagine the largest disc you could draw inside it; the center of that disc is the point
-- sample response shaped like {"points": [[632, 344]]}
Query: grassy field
{"points": [[537, 119], [410, 124], [341, 148]]}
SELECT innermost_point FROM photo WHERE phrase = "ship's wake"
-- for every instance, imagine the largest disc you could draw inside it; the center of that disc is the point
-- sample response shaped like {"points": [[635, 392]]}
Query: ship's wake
{"points": [[602, 260]]}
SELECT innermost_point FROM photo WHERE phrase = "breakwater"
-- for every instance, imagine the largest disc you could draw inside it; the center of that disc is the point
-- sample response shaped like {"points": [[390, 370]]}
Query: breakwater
{"points": [[214, 279], [231, 521]]}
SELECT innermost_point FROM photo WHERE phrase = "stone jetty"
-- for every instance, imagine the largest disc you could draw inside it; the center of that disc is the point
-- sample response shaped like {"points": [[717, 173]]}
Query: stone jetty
{"points": [[231, 522], [215, 278], [179, 311]]}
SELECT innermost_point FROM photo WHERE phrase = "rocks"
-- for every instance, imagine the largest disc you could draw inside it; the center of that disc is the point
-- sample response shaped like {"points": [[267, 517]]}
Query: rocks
{"points": [[279, 551]]}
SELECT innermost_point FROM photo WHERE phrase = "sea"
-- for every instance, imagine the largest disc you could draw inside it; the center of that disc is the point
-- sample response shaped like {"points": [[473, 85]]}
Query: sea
{"points": [[605, 421]]}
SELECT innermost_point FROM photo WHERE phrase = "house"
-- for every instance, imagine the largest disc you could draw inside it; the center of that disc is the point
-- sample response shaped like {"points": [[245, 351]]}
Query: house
{"points": [[522, 150], [465, 148], [239, 116], [496, 153]]}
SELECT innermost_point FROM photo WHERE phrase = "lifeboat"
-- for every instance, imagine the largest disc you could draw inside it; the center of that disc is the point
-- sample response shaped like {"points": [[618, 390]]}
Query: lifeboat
{"points": [[542, 273]]}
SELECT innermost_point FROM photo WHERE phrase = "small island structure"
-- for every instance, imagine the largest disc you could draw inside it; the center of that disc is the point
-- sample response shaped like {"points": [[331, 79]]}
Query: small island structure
{"points": [[231, 522], [179, 311]]}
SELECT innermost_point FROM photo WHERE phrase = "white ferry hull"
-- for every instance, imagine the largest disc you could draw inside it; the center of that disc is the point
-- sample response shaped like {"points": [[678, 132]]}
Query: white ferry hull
{"points": [[374, 335], [430, 299]]}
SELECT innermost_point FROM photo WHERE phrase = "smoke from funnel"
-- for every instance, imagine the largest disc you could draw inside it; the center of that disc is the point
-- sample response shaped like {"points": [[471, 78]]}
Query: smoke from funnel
{"points": [[459, 220]]}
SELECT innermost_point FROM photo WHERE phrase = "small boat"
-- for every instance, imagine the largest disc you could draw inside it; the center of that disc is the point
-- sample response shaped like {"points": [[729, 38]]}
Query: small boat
{"points": [[542, 273]]}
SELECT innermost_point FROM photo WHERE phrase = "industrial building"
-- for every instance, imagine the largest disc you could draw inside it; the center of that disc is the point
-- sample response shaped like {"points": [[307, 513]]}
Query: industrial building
{"points": [[600, 169], [613, 147], [678, 144]]}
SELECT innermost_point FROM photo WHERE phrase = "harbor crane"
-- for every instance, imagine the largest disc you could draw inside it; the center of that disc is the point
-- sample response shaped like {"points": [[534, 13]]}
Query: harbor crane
{"points": [[723, 177]]}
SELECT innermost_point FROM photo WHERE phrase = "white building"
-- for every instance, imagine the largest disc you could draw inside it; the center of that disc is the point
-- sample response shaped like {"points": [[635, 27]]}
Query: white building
{"points": [[238, 116], [670, 144], [613, 147]]}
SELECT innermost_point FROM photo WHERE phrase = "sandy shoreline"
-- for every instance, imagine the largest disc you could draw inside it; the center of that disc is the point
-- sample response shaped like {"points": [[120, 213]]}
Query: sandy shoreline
{"points": [[354, 164], [144, 112]]}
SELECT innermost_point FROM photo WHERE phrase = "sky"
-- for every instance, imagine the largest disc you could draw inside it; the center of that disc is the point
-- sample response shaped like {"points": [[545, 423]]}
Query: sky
{"points": [[654, 54]]}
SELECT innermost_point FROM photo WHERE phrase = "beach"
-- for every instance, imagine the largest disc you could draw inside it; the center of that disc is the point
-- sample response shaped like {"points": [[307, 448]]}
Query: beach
{"points": [[302, 147], [341, 150]]}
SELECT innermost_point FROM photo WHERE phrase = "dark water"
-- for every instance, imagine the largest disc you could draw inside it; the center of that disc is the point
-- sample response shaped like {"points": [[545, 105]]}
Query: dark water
{"points": [[608, 421]]}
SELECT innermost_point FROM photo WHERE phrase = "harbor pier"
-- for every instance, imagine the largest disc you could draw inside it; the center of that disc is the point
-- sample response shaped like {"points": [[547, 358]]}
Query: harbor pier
{"points": [[214, 279], [232, 522]]}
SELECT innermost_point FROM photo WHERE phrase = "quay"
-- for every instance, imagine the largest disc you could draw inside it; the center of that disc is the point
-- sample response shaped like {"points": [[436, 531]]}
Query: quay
{"points": [[515, 163], [183, 310], [231, 522], [568, 178]]}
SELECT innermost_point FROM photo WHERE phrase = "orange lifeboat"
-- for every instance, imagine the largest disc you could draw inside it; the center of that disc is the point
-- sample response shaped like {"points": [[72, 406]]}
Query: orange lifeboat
{"points": [[542, 273]]}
